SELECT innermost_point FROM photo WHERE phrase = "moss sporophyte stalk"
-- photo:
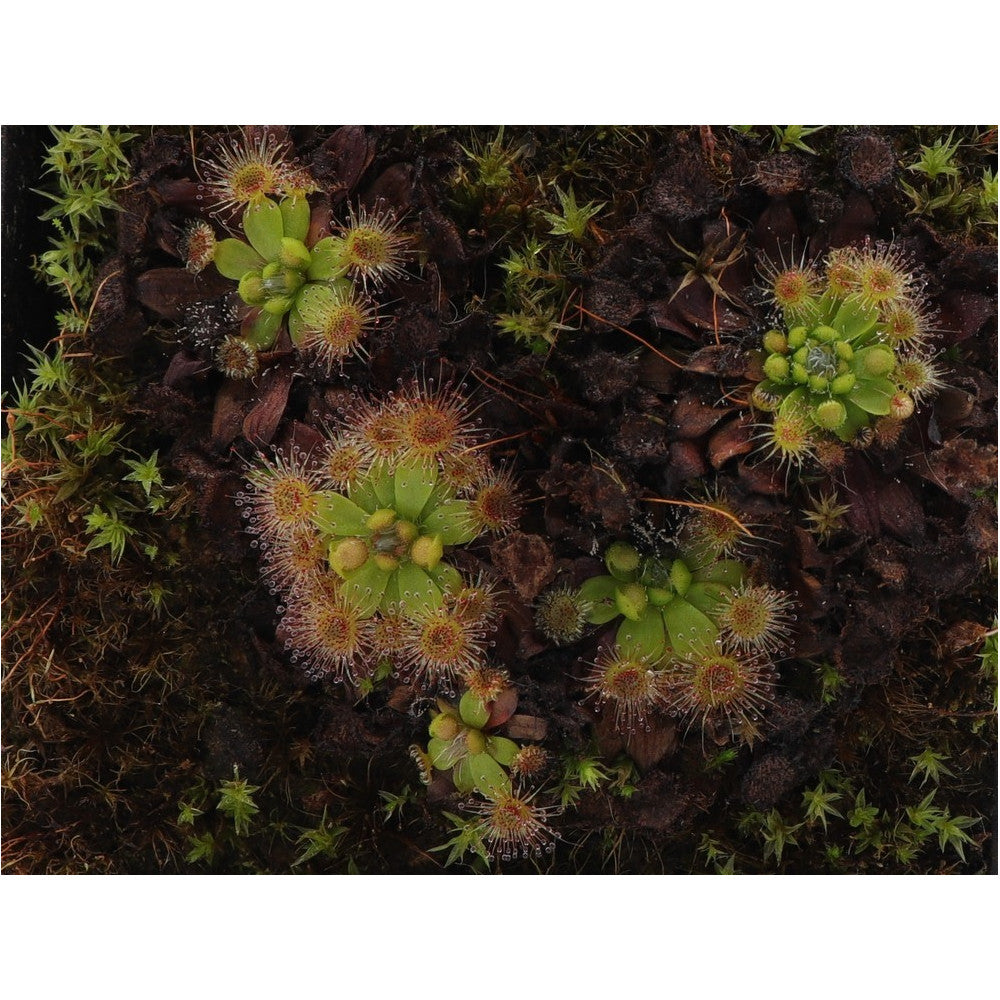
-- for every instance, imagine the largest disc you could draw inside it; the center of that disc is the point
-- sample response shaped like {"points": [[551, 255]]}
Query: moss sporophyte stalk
{"points": [[854, 349]]}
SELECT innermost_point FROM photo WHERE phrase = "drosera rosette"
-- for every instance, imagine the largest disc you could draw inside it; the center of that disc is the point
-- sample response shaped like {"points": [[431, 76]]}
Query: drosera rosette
{"points": [[843, 357], [677, 615], [287, 272], [375, 504], [463, 744]]}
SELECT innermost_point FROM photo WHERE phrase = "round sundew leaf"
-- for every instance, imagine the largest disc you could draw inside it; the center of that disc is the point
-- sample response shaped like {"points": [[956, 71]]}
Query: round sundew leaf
{"points": [[336, 515], [448, 579], [728, 571], [413, 484], [854, 319], [452, 522], [416, 589], [264, 228], [295, 214], [326, 262], [687, 627], [599, 592], [797, 399], [263, 330], [645, 638], [462, 775], [364, 588], [234, 258], [680, 576], [872, 395], [488, 776], [856, 419], [472, 710], [706, 596], [502, 750]]}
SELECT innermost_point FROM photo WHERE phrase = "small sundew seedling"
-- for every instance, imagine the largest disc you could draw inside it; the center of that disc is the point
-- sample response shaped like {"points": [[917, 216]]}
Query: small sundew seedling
{"points": [[843, 357], [237, 358], [826, 515], [461, 744]]}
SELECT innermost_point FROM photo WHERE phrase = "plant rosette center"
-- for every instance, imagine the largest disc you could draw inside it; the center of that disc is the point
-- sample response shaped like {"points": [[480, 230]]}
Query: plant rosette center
{"points": [[388, 536]]}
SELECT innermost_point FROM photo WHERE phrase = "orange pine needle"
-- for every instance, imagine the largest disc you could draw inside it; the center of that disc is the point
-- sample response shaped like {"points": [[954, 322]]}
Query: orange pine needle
{"points": [[634, 336], [702, 506]]}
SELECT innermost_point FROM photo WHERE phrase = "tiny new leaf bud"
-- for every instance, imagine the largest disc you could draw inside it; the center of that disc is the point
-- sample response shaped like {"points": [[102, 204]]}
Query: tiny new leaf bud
{"points": [[680, 577], [775, 342], [347, 555], [427, 551], [843, 384], [827, 334], [294, 253], [776, 367], [444, 727], [831, 414], [622, 561], [796, 337], [631, 600]]}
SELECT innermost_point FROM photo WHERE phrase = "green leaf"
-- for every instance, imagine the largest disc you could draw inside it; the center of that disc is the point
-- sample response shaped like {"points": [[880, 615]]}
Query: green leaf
{"points": [[452, 522], [706, 596], [383, 484], [234, 258], [688, 628], [599, 592], [854, 319], [326, 263], [336, 515], [445, 753], [644, 638], [264, 228], [502, 750], [473, 711], [462, 775], [872, 396], [727, 571], [363, 494], [416, 589], [488, 776], [414, 483], [263, 331], [295, 214], [364, 587], [448, 579]]}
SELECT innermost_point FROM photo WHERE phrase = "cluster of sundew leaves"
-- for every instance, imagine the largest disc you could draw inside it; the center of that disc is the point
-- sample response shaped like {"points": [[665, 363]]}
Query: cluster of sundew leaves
{"points": [[318, 286], [854, 349], [357, 538], [508, 822], [697, 637]]}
